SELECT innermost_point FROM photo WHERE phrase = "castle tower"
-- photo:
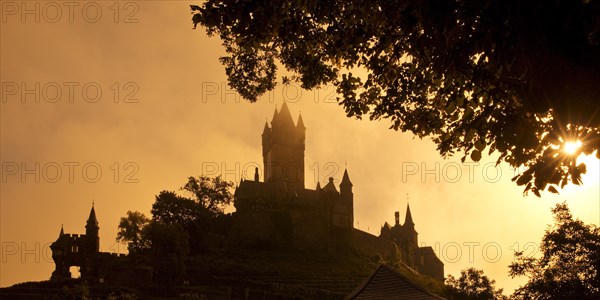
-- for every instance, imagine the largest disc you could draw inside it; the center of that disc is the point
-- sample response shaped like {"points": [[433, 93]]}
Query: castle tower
{"points": [[91, 232], [283, 150], [59, 252], [346, 194], [409, 227]]}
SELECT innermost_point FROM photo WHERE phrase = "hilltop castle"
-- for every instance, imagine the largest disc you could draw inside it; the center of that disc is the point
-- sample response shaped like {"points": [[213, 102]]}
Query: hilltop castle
{"points": [[83, 251], [77, 250], [276, 213], [281, 212]]}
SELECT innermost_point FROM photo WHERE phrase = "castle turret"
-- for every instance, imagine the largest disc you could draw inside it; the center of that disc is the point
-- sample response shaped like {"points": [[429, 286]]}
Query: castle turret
{"points": [[62, 232], [346, 194], [91, 231], [409, 226], [408, 221], [300, 125], [266, 146], [346, 184], [59, 252]]}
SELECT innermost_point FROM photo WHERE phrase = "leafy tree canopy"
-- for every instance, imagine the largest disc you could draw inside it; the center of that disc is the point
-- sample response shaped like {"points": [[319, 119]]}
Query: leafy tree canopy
{"points": [[570, 263], [170, 208], [472, 285], [198, 212], [131, 231], [212, 194], [515, 77]]}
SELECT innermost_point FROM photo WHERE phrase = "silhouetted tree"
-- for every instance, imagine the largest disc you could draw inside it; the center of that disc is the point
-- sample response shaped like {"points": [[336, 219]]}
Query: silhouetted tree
{"points": [[170, 208], [169, 249], [196, 214], [515, 77], [212, 194], [130, 232], [472, 285], [570, 262]]}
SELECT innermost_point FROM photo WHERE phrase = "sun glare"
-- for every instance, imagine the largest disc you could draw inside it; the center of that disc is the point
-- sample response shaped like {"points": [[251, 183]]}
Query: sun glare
{"points": [[571, 147]]}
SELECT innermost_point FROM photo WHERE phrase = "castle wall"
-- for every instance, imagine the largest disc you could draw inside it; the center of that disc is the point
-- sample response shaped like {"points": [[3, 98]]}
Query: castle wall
{"points": [[430, 264], [372, 245], [310, 229], [255, 230], [302, 229]]}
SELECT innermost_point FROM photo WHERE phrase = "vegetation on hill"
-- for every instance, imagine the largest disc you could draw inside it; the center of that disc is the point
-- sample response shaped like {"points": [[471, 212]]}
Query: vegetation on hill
{"points": [[273, 274]]}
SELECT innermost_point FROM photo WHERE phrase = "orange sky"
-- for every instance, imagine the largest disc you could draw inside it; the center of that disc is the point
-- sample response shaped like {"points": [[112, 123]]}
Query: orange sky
{"points": [[174, 117]]}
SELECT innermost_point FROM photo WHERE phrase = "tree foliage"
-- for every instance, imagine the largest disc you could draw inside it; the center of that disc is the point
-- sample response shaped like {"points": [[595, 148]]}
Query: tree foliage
{"points": [[198, 213], [515, 77], [212, 194], [472, 285], [170, 208], [131, 230], [169, 249], [570, 263]]}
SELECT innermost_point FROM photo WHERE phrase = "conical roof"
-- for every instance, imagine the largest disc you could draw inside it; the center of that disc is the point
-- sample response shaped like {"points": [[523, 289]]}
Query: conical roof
{"points": [[346, 179]]}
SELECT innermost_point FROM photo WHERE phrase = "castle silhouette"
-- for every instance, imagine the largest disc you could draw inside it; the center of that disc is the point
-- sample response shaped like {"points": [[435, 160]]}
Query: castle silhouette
{"points": [[77, 250], [279, 213]]}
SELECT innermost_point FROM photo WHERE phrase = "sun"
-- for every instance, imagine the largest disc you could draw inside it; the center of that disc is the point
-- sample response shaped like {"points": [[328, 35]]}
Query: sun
{"points": [[571, 147]]}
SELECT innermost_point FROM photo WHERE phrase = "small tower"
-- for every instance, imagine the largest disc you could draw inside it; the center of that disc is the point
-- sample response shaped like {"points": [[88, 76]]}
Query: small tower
{"points": [[59, 254], [346, 194], [91, 231], [266, 147], [409, 227]]}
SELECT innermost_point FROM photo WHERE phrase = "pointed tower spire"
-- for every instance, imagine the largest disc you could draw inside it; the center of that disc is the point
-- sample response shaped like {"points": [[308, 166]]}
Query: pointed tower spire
{"points": [[62, 232], [318, 188], [285, 117], [92, 220], [91, 232], [408, 219], [266, 128], [346, 180], [274, 119], [300, 124]]}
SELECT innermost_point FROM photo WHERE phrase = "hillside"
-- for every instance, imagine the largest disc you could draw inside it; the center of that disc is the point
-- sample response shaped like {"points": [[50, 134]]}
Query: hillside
{"points": [[238, 275]]}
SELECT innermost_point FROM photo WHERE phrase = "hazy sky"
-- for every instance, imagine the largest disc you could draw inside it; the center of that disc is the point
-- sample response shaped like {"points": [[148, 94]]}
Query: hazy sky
{"points": [[113, 103]]}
